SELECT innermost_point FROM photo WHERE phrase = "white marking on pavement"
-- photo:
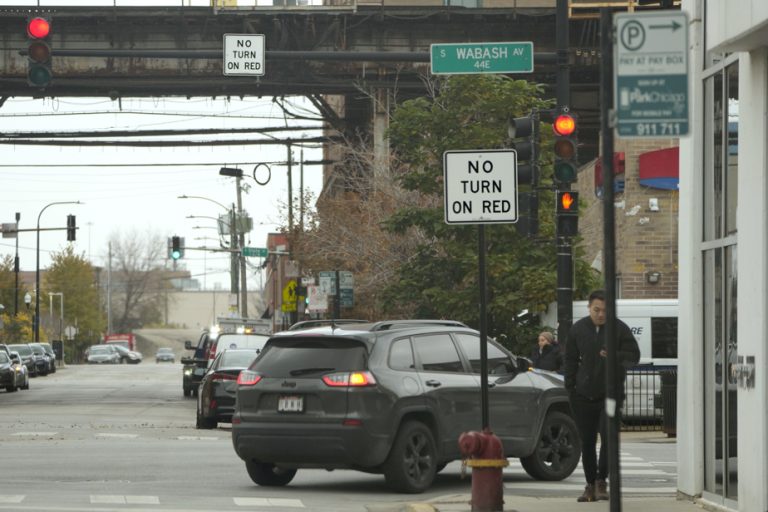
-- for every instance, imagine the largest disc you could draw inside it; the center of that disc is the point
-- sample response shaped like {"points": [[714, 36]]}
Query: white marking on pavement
{"points": [[119, 436], [552, 486], [197, 438], [266, 502], [37, 434], [124, 500], [12, 498]]}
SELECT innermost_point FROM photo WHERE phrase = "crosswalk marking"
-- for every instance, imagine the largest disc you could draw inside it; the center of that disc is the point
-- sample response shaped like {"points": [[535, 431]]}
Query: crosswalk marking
{"points": [[116, 499], [12, 498], [268, 502], [635, 469], [35, 434]]}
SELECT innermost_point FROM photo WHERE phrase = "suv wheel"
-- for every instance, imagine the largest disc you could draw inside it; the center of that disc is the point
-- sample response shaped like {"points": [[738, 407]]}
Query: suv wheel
{"points": [[269, 475], [412, 462], [205, 423], [557, 451]]}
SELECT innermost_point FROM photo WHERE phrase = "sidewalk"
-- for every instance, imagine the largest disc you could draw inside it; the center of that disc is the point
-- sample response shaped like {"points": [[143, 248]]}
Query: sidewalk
{"points": [[460, 502]]}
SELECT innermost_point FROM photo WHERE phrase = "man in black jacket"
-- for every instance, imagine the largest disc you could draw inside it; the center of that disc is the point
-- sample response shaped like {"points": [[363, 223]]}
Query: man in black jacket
{"points": [[584, 369]]}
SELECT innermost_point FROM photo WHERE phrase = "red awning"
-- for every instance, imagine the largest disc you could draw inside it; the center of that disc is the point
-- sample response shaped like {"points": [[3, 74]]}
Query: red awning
{"points": [[660, 169]]}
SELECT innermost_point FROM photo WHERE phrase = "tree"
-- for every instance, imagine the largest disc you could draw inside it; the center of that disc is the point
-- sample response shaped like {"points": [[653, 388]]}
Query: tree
{"points": [[15, 328], [73, 276], [138, 282], [440, 278]]}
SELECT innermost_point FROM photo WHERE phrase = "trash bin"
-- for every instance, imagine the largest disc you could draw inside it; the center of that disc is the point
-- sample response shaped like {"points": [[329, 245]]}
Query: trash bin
{"points": [[669, 401]]}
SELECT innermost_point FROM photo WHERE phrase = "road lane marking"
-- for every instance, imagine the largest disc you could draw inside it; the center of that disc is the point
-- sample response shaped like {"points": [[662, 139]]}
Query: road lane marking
{"points": [[12, 498], [267, 502], [118, 436], [35, 434], [198, 438], [115, 499]]}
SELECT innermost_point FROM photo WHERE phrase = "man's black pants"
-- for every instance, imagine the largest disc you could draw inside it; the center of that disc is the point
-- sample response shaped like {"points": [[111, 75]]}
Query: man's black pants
{"points": [[590, 420]]}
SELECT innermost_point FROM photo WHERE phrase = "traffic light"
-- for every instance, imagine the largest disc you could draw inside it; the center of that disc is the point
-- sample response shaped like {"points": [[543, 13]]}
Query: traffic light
{"points": [[71, 228], [177, 248], [566, 129], [524, 138], [567, 213], [39, 51]]}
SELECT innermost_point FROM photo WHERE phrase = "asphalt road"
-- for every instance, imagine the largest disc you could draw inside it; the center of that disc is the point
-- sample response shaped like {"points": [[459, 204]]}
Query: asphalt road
{"points": [[122, 438]]}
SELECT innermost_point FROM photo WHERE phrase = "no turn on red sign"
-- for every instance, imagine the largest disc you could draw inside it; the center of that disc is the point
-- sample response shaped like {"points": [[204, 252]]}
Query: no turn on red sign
{"points": [[480, 186], [244, 54]]}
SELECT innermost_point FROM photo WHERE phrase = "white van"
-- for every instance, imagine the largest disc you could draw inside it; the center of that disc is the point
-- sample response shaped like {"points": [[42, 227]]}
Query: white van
{"points": [[652, 321], [654, 324], [233, 340]]}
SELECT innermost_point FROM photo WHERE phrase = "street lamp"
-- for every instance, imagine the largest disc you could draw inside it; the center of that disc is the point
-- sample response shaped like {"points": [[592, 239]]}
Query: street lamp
{"points": [[37, 270], [234, 256]]}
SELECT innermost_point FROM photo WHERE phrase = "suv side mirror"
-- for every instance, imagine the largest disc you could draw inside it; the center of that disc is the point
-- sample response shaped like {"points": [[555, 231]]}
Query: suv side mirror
{"points": [[15, 358], [523, 364], [188, 345], [187, 360]]}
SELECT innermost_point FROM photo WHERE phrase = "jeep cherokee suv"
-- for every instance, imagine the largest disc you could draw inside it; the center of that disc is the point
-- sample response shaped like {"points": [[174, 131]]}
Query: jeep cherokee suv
{"points": [[393, 399]]}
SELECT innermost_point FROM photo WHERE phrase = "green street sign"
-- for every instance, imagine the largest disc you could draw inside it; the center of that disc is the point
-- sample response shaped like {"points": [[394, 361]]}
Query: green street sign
{"points": [[260, 252], [475, 58]]}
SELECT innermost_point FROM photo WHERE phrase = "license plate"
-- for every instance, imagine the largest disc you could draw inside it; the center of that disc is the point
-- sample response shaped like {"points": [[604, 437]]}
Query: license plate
{"points": [[290, 404]]}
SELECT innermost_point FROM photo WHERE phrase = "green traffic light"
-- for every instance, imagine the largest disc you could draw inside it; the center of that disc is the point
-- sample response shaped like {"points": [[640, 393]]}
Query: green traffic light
{"points": [[39, 75], [175, 255], [565, 172]]}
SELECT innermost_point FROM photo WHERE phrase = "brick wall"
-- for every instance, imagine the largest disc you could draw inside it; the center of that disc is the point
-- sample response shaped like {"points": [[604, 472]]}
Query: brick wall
{"points": [[646, 240]]}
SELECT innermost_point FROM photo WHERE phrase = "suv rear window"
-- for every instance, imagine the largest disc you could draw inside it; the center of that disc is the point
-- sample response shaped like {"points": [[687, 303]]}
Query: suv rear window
{"points": [[310, 357]]}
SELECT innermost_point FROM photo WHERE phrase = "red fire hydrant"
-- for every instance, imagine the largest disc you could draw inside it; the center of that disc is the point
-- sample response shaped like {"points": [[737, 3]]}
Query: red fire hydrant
{"points": [[483, 452]]}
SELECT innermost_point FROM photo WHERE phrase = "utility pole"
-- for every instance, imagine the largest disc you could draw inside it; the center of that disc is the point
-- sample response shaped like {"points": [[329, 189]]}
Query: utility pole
{"points": [[16, 269], [241, 245]]}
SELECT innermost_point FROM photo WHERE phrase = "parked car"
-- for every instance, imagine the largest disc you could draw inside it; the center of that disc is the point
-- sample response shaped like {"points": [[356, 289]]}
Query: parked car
{"points": [[165, 354], [103, 354], [4, 348], [48, 362], [216, 395], [28, 357], [22, 374], [128, 356], [7, 373], [49, 350], [394, 401]]}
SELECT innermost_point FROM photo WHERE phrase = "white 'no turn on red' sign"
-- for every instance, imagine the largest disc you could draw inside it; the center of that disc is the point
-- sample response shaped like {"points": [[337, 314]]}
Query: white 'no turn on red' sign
{"points": [[480, 186]]}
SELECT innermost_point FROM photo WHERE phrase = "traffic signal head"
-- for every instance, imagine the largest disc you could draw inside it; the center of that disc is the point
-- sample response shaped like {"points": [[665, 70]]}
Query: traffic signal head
{"points": [[39, 72], [176, 249], [567, 213], [565, 129], [523, 133], [71, 228]]}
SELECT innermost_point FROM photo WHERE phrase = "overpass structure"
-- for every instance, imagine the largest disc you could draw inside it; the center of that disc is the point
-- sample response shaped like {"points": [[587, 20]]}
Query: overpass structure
{"points": [[368, 53]]}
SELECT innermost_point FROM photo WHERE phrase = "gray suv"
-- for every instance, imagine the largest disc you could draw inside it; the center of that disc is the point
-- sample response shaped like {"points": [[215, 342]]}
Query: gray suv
{"points": [[393, 398]]}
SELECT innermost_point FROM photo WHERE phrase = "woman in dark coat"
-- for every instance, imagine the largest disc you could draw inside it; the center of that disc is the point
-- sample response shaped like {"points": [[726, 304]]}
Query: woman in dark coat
{"points": [[546, 355]]}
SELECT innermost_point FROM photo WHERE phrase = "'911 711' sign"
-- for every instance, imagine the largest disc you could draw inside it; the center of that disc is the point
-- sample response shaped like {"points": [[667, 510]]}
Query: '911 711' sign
{"points": [[480, 186]]}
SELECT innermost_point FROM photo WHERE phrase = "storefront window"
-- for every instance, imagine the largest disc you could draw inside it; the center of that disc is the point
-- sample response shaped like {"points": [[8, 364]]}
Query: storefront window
{"points": [[732, 155], [713, 158]]}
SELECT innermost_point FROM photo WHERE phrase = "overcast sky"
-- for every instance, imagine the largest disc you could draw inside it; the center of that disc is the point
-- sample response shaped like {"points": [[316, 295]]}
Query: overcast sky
{"points": [[125, 189]]}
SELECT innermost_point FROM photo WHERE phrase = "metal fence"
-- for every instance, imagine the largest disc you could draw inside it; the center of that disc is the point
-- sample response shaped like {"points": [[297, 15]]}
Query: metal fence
{"points": [[650, 402]]}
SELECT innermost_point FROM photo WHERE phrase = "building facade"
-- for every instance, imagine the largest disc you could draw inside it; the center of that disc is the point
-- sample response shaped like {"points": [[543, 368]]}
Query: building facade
{"points": [[723, 248]]}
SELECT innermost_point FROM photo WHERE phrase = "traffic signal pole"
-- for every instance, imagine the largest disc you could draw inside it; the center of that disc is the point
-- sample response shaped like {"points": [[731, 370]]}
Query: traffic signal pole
{"points": [[613, 391], [564, 249]]}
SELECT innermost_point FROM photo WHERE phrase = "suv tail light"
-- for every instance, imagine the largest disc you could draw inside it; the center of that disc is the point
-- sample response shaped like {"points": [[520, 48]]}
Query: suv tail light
{"points": [[248, 378], [349, 379], [223, 376]]}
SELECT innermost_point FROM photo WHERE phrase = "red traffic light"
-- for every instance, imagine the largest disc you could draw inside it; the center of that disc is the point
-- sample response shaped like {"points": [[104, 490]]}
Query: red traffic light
{"points": [[564, 125], [38, 28]]}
